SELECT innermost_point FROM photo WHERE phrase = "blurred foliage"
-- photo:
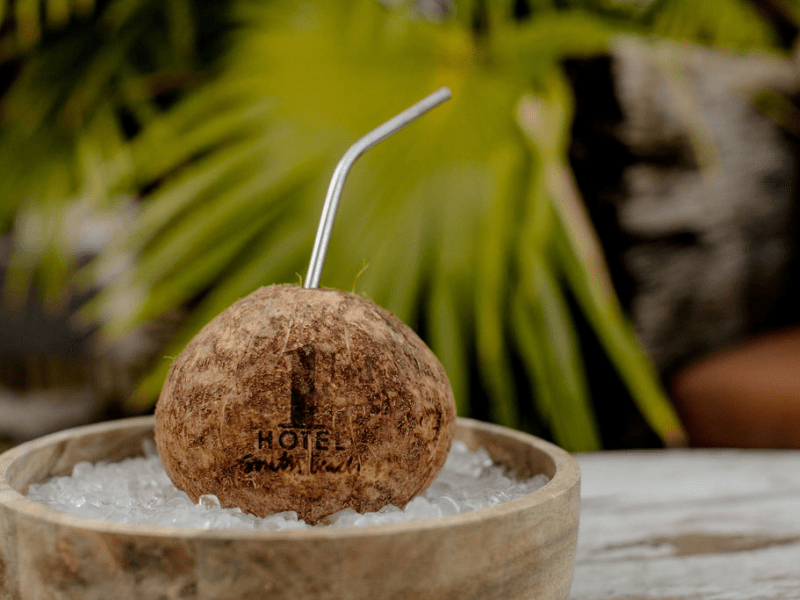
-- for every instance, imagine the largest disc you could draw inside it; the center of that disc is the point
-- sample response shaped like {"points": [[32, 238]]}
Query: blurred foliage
{"points": [[78, 80], [225, 124]]}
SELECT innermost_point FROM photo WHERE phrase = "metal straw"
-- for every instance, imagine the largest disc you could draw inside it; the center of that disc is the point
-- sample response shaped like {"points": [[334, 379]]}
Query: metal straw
{"points": [[375, 136]]}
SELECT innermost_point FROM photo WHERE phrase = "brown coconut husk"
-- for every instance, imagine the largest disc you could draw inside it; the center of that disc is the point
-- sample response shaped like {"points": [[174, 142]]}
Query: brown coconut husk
{"points": [[305, 400]]}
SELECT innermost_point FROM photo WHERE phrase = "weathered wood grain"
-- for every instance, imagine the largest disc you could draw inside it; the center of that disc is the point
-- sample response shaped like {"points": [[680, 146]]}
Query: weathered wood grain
{"points": [[689, 524]]}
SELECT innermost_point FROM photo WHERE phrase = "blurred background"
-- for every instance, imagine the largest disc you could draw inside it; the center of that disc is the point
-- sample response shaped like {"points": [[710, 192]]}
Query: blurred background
{"points": [[609, 197]]}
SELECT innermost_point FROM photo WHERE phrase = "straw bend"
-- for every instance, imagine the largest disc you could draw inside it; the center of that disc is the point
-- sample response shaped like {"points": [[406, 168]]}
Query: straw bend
{"points": [[336, 185]]}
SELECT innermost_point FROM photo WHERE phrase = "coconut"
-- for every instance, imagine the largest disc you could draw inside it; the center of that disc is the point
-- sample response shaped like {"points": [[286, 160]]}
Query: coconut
{"points": [[305, 400]]}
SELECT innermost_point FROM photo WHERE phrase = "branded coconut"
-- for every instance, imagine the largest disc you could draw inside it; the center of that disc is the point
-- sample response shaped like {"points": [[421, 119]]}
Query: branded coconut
{"points": [[306, 400]]}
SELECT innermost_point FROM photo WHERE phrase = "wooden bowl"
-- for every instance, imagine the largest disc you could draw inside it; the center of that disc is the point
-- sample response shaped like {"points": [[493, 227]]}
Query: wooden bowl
{"points": [[523, 548]]}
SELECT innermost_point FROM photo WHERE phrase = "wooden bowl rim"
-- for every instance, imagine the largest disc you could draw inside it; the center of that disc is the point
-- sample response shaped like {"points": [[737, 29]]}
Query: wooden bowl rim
{"points": [[566, 477]]}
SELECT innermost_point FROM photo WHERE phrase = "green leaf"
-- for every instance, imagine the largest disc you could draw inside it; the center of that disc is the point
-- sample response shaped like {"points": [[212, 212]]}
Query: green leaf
{"points": [[545, 332], [550, 36], [182, 191], [579, 258], [620, 342], [493, 276], [448, 340], [56, 13], [552, 357], [29, 27], [733, 24]]}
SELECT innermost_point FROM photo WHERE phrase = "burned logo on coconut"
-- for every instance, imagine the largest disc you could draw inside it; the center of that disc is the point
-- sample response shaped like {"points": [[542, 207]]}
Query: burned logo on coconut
{"points": [[305, 400]]}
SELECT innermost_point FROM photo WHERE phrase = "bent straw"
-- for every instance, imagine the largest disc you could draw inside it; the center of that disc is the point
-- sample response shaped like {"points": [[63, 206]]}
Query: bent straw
{"points": [[336, 185]]}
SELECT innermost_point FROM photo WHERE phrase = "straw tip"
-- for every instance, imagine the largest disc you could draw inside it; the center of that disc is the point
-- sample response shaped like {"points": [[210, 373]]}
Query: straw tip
{"points": [[445, 92]]}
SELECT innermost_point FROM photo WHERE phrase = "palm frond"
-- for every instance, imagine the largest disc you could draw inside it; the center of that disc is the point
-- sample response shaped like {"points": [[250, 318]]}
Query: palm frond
{"points": [[467, 221], [442, 214], [733, 24], [67, 113], [580, 260]]}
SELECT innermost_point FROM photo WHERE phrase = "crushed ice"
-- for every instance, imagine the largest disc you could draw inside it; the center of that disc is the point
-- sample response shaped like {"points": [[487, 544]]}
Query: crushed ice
{"points": [[138, 490]]}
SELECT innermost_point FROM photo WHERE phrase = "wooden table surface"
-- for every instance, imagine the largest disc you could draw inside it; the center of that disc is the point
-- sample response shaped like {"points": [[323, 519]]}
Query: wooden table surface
{"points": [[689, 524]]}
